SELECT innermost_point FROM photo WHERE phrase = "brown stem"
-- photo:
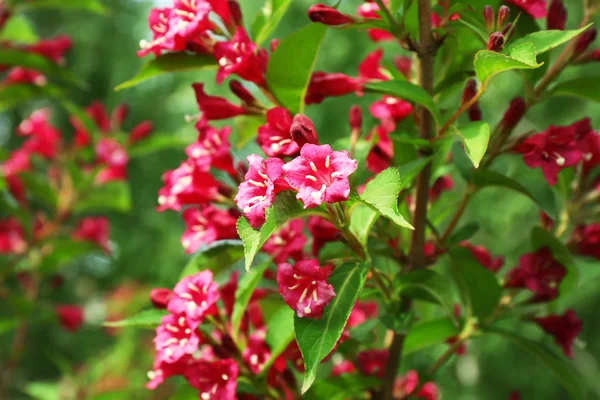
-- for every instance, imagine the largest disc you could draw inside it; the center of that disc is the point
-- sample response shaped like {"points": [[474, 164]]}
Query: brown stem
{"points": [[462, 109], [457, 215]]}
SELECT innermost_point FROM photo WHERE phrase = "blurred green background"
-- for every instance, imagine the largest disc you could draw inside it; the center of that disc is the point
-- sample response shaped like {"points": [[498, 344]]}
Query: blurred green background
{"points": [[148, 252]]}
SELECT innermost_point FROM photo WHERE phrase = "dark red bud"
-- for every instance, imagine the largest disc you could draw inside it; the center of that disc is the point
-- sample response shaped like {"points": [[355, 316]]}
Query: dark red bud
{"points": [[488, 17], [514, 113], [328, 15], [303, 131], [355, 117], [495, 42], [240, 91], [140, 131], [4, 15], [236, 12], [70, 317], [503, 14], [474, 113], [557, 15], [57, 281], [119, 115], [585, 40], [160, 297], [470, 91], [508, 31], [274, 44], [594, 55]]}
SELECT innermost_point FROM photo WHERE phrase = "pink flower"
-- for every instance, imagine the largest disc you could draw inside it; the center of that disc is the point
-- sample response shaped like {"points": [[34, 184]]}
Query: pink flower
{"points": [[565, 329], [160, 297], [193, 296], [370, 68], [321, 231], [535, 8], [407, 384], [162, 369], [275, 138], [176, 338], [258, 190], [372, 362], [441, 185], [212, 148], [215, 380], [287, 243], [70, 317], [540, 273], [320, 175], [390, 110], [323, 85], [344, 367], [484, 257], [242, 57], [587, 239], [205, 225], [111, 153], [257, 353], [18, 161], [369, 10], [214, 107], [554, 149], [188, 184], [44, 139], [158, 22], [362, 312], [93, 229], [304, 287]]}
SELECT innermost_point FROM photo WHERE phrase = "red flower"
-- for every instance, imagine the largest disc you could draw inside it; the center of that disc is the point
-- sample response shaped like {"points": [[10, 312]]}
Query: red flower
{"points": [[320, 175], [535, 8], [287, 243], [114, 155], [484, 257], [540, 273], [557, 15], [44, 139], [275, 138], [70, 317], [590, 151], [565, 329], [242, 57], [323, 85], [205, 225], [212, 148], [258, 190], [343, 367], [163, 369], [214, 107], [215, 380], [194, 296], [381, 154], [93, 229], [372, 362], [322, 231], [587, 239], [370, 10], [362, 312], [407, 384], [188, 184], [257, 353], [176, 339], [328, 15], [441, 185], [158, 22], [370, 68], [390, 110], [304, 287]]}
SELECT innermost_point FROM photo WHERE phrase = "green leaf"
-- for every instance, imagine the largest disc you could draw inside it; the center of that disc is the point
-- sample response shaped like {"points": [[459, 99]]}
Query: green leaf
{"points": [[410, 171], [316, 338], [427, 285], [382, 195], [268, 18], [94, 6], [291, 65], [280, 333], [171, 62], [14, 95], [562, 372], [542, 238], [247, 128], [346, 386], [22, 58], [361, 220], [243, 293], [544, 41], [587, 88], [216, 257], [489, 63], [483, 289], [465, 232], [407, 91], [156, 143], [426, 334], [144, 319], [18, 29], [110, 196], [43, 390], [542, 195], [64, 252], [37, 184], [284, 208], [476, 137]]}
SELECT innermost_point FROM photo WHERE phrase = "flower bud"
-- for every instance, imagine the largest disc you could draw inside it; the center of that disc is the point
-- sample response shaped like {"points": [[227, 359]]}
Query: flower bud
{"points": [[140, 131], [474, 113], [160, 297], [514, 113], [119, 115], [328, 15], [236, 12], [503, 14], [508, 31], [70, 317], [274, 44], [585, 40], [495, 42], [355, 117], [240, 91], [557, 15], [470, 91], [488, 17], [303, 131]]}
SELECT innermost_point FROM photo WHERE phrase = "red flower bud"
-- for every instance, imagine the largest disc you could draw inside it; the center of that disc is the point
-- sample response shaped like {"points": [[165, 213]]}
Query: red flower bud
{"points": [[240, 91], [160, 297], [70, 317], [236, 12], [470, 91], [119, 115], [303, 131], [585, 40], [594, 55], [274, 44], [557, 15], [495, 42], [503, 14], [508, 32], [140, 131], [488, 17], [328, 15], [474, 113], [514, 113], [355, 117]]}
